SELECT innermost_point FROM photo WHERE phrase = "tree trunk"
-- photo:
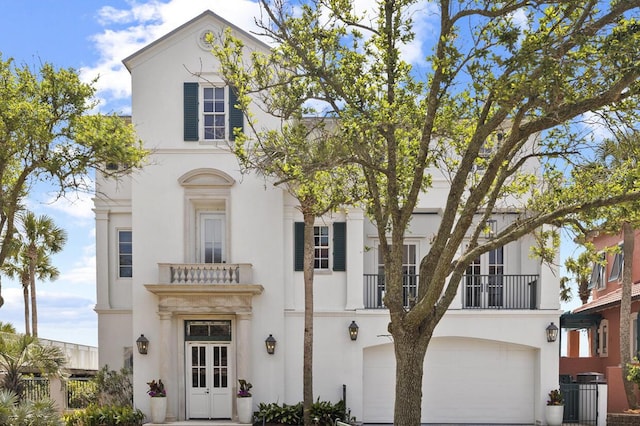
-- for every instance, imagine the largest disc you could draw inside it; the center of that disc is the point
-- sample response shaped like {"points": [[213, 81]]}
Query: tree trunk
{"points": [[24, 279], [625, 311], [410, 349], [307, 375], [33, 258]]}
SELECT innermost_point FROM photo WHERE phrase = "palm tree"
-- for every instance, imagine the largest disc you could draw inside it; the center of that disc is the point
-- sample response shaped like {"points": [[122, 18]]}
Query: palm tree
{"points": [[41, 237], [19, 266], [7, 327], [20, 354]]}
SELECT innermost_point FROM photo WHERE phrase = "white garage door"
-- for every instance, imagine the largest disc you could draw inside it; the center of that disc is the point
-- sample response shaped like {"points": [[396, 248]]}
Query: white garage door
{"points": [[465, 381]]}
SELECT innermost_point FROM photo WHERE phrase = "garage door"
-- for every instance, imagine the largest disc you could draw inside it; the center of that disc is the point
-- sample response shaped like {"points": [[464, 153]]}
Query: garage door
{"points": [[465, 381]]}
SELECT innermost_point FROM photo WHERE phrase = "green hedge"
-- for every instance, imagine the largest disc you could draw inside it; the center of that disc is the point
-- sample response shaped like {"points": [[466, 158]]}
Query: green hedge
{"points": [[323, 413], [105, 415]]}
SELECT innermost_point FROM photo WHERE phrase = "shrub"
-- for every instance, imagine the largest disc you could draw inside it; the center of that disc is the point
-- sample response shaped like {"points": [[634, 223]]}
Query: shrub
{"points": [[114, 387], [27, 413], [81, 393], [105, 415], [323, 411]]}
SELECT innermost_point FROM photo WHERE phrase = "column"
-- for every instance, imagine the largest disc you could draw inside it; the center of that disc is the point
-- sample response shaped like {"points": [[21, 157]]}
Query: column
{"points": [[243, 346], [102, 256], [165, 358], [355, 260]]}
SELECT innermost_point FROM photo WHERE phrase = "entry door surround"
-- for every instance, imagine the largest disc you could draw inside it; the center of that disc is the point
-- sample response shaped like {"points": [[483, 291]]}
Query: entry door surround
{"points": [[177, 302]]}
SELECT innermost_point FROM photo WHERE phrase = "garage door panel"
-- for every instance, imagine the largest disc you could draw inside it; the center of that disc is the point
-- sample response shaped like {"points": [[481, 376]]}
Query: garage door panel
{"points": [[466, 380]]}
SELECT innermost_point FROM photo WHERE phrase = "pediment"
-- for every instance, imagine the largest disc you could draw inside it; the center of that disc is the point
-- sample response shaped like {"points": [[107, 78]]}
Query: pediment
{"points": [[206, 178]]}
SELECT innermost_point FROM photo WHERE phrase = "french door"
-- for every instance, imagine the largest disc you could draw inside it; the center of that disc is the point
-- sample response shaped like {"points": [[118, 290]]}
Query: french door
{"points": [[484, 281], [212, 237], [208, 380]]}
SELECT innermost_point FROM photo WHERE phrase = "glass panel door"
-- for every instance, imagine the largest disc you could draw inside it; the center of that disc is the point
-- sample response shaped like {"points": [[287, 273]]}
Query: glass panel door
{"points": [[209, 393], [212, 238]]}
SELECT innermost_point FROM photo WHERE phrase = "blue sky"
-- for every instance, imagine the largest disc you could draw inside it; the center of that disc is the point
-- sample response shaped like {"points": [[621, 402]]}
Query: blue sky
{"points": [[93, 36]]}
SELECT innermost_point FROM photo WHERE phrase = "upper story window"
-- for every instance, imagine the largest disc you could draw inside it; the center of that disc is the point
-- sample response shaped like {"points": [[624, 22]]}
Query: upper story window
{"points": [[618, 263], [327, 240], [210, 114], [321, 247], [603, 338], [597, 274], [213, 113], [125, 254]]}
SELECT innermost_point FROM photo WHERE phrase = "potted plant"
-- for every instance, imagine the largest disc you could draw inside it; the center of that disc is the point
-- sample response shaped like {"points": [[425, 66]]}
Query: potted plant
{"points": [[244, 402], [555, 408], [158, 395]]}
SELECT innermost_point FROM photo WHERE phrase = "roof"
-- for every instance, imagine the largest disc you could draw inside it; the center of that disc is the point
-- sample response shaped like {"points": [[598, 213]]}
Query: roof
{"points": [[608, 300], [204, 14]]}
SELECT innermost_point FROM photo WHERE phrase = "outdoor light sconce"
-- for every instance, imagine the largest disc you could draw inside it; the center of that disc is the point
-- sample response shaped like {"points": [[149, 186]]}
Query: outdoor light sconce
{"points": [[552, 332], [270, 343], [143, 344], [353, 330]]}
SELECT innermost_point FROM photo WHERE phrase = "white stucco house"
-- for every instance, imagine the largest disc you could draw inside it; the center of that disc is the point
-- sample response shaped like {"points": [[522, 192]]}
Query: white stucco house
{"points": [[202, 261]]}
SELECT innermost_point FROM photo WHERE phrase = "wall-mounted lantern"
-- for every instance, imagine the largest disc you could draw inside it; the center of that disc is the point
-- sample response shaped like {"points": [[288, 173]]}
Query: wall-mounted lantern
{"points": [[552, 332], [143, 344], [353, 330], [270, 343]]}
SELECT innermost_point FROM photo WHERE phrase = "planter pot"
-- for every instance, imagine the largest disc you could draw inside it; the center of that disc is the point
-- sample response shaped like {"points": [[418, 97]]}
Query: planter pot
{"points": [[245, 409], [158, 409], [554, 414]]}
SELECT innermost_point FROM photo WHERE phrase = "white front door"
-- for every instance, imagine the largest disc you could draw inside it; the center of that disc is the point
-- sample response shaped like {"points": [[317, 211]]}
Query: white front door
{"points": [[208, 380]]}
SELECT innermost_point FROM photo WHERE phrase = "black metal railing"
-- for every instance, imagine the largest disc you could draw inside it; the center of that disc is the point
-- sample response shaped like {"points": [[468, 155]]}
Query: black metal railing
{"points": [[478, 291], [374, 290], [499, 292]]}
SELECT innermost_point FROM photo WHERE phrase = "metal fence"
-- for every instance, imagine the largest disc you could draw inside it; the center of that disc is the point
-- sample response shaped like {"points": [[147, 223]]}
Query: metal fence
{"points": [[36, 389], [75, 392], [580, 403]]}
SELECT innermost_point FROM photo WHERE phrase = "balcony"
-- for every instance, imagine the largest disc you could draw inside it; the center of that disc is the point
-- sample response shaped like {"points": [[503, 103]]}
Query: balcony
{"points": [[205, 273], [478, 291]]}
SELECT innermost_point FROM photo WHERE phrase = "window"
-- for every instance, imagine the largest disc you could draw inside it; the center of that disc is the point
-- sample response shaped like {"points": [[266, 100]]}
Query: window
{"points": [[496, 276], [327, 247], [597, 275], [484, 281], [603, 338], [488, 149], [473, 284], [213, 113], [125, 254], [211, 330], [409, 274], [618, 264], [634, 338], [215, 117], [212, 237], [321, 247]]}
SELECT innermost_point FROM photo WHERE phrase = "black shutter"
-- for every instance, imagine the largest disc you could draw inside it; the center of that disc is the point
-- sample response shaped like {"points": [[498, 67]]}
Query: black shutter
{"points": [[637, 354], [235, 114], [340, 246], [191, 111], [298, 246]]}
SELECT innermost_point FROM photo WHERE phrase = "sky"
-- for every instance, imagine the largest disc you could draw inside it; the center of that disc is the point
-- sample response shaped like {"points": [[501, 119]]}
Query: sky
{"points": [[94, 36]]}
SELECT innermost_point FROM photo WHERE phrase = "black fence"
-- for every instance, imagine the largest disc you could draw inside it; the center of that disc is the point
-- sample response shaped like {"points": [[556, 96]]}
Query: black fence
{"points": [[580, 403]]}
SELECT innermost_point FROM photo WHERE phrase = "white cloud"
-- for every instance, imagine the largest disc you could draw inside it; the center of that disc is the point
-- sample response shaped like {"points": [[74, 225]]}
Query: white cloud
{"points": [[83, 270], [141, 24], [78, 205]]}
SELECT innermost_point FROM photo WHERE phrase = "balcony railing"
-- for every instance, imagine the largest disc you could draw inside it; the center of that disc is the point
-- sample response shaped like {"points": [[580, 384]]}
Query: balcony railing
{"points": [[205, 273], [478, 291]]}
